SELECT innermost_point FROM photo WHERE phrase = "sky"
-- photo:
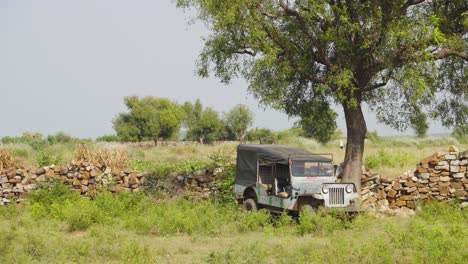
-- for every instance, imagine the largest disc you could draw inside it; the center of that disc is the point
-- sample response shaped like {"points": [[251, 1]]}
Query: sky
{"points": [[66, 65]]}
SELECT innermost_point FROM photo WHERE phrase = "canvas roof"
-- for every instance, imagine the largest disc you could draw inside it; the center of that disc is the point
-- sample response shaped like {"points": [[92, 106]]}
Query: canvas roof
{"points": [[247, 156]]}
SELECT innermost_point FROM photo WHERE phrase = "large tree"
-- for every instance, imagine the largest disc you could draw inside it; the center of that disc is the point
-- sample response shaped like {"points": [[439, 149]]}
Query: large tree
{"points": [[399, 57], [238, 120], [149, 118]]}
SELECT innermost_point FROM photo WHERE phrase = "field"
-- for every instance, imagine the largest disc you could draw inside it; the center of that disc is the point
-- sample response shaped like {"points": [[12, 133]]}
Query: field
{"points": [[56, 226]]}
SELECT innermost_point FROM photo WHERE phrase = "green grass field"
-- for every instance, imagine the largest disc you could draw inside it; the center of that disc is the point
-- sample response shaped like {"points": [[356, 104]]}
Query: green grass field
{"points": [[59, 227], [56, 226]]}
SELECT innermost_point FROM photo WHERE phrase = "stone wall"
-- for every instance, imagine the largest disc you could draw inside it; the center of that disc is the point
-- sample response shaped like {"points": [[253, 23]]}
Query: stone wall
{"points": [[83, 177], [439, 177]]}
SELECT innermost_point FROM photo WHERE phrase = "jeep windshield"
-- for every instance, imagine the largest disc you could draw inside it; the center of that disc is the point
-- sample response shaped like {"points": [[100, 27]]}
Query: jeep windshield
{"points": [[311, 168]]}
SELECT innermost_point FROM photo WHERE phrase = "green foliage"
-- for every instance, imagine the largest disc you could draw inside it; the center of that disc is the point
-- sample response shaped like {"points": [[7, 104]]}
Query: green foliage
{"points": [[60, 137], [148, 118], [380, 52], [35, 140], [302, 57], [108, 138], [337, 135], [261, 135], [238, 120], [39, 143], [133, 228], [461, 133], [419, 123], [203, 125], [47, 157], [318, 121], [373, 136], [388, 159]]}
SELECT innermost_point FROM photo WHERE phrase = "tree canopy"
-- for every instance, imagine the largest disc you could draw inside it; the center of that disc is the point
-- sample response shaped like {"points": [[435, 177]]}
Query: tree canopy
{"points": [[238, 120], [399, 57], [149, 118], [203, 125]]}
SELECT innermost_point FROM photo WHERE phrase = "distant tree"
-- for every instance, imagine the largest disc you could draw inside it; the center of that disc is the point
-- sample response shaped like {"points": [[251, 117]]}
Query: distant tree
{"points": [[149, 118], [238, 120], [419, 123], [108, 138], [60, 137], [460, 131], [395, 56], [261, 135], [205, 128], [193, 113]]}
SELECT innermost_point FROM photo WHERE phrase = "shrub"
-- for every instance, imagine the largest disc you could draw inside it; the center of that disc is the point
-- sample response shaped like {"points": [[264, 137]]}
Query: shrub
{"points": [[109, 138], [60, 137], [389, 159], [110, 157], [46, 158], [6, 159]]}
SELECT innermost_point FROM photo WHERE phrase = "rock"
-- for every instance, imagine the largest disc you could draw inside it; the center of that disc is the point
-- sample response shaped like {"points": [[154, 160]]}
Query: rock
{"points": [[407, 198], [199, 172], [76, 182], [459, 175], [217, 171], [391, 193], [453, 149], [41, 178], [180, 178], [450, 157], [443, 167], [454, 168], [404, 212], [95, 172], [50, 174], [424, 176], [444, 179]]}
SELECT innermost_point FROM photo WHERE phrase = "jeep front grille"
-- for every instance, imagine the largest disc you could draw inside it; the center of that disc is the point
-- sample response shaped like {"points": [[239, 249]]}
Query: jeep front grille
{"points": [[336, 196]]}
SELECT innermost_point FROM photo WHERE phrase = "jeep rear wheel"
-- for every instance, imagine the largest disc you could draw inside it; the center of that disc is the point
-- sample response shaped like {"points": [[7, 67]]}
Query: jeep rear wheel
{"points": [[249, 205]]}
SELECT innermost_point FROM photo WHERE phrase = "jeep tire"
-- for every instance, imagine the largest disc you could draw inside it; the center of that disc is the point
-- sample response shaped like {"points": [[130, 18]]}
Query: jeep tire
{"points": [[249, 205]]}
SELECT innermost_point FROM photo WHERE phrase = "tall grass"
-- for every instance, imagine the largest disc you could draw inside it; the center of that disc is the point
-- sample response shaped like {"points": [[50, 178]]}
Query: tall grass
{"points": [[58, 226]]}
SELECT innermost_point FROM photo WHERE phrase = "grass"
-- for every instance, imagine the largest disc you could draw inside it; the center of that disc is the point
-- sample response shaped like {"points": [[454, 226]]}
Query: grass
{"points": [[57, 226], [388, 156]]}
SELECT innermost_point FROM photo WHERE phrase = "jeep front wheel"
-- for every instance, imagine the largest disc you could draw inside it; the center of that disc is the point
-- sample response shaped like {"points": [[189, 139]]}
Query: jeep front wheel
{"points": [[249, 205]]}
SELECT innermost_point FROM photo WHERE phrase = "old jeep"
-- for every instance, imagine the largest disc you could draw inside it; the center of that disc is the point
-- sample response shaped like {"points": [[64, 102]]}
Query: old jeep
{"points": [[281, 178]]}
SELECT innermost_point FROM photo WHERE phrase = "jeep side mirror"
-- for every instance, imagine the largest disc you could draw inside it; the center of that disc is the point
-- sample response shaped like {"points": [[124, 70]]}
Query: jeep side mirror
{"points": [[335, 167]]}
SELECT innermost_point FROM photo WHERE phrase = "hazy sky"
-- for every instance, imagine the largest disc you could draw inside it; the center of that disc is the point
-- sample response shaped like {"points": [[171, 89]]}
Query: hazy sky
{"points": [[66, 65]]}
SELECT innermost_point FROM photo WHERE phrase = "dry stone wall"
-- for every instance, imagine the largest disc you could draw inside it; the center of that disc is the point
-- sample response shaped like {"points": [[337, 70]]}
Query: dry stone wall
{"points": [[16, 183], [439, 177]]}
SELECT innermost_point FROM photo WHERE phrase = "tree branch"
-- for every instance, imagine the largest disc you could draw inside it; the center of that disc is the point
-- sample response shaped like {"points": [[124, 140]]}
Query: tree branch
{"points": [[414, 2], [444, 53], [246, 51], [374, 86]]}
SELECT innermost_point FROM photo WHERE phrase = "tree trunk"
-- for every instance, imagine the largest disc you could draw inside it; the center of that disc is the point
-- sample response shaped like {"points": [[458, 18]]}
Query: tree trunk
{"points": [[356, 133], [155, 141], [200, 139]]}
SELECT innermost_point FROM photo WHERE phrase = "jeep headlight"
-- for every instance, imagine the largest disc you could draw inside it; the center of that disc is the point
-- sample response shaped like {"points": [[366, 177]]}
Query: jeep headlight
{"points": [[325, 189], [349, 188]]}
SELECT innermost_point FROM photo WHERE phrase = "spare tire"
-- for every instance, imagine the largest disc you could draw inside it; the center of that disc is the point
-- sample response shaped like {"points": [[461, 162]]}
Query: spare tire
{"points": [[249, 205]]}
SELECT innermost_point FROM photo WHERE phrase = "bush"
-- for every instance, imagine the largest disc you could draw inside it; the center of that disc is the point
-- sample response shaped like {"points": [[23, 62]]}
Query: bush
{"points": [[261, 135], [46, 158], [109, 138], [388, 159]]}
